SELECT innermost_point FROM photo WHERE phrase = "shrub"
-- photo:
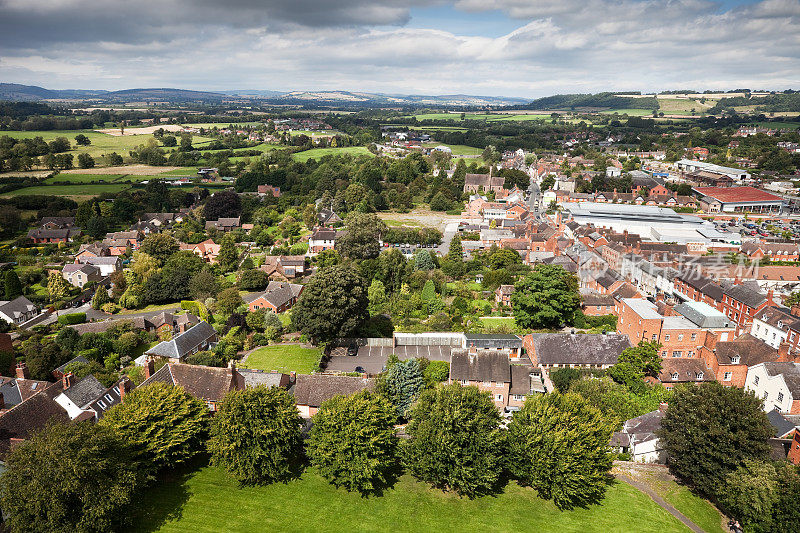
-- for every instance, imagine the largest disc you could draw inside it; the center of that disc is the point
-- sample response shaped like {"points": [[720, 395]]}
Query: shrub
{"points": [[72, 318]]}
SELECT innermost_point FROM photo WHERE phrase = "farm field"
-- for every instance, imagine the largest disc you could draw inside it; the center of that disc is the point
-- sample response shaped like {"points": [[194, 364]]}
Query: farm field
{"points": [[284, 358], [72, 191], [318, 153], [86, 178], [629, 111], [779, 125], [683, 106], [492, 117], [460, 149], [209, 500], [101, 143]]}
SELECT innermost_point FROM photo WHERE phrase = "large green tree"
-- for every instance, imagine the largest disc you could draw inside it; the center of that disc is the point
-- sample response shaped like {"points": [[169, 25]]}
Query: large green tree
{"points": [[558, 444], [392, 269], [160, 246], [13, 287], [645, 357], [100, 297], [361, 240], [255, 435], [77, 477], [546, 298], [402, 384], [166, 425], [228, 257], [332, 305], [455, 440], [710, 430], [353, 442]]}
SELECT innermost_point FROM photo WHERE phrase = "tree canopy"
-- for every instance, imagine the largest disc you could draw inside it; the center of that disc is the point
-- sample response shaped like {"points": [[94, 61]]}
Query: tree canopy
{"points": [[76, 477], [255, 435], [360, 241], [546, 298], [353, 442], [455, 440], [332, 305], [558, 444]]}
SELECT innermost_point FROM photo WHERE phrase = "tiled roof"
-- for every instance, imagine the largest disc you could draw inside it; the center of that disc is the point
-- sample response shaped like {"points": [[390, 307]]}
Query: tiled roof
{"points": [[485, 365], [687, 369], [738, 194], [314, 389], [565, 348], [30, 416], [204, 382], [750, 351], [85, 391]]}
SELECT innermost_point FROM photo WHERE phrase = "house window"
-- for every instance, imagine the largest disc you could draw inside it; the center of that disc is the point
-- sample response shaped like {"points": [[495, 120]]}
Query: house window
{"points": [[674, 376], [487, 383], [694, 336], [728, 376], [499, 397], [735, 361], [755, 381], [464, 382], [655, 337], [680, 337], [677, 353], [101, 404], [780, 397], [700, 375], [666, 337]]}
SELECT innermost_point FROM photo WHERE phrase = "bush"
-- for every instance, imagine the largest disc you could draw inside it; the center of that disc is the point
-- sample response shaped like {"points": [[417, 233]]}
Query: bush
{"points": [[72, 318]]}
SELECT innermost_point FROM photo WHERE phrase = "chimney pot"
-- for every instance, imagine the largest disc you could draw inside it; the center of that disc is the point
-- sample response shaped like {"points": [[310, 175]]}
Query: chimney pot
{"points": [[68, 380], [22, 371], [149, 368]]}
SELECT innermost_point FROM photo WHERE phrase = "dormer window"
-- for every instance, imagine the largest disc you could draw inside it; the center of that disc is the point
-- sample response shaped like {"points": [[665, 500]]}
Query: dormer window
{"points": [[780, 324], [700, 375], [735, 360], [675, 376]]}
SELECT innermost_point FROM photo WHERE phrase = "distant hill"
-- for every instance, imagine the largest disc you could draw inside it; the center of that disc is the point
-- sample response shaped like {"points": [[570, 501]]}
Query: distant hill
{"points": [[582, 101], [362, 99], [162, 95]]}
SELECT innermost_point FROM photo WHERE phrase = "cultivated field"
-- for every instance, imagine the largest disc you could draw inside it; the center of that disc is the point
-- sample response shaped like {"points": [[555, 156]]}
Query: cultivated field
{"points": [[683, 106], [209, 500], [134, 170], [147, 130]]}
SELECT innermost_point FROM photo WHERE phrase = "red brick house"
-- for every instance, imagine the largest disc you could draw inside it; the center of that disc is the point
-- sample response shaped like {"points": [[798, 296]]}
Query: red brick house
{"points": [[278, 297]]}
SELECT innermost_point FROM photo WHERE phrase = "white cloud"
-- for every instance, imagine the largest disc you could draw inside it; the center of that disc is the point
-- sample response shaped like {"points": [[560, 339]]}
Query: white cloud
{"points": [[559, 46]]}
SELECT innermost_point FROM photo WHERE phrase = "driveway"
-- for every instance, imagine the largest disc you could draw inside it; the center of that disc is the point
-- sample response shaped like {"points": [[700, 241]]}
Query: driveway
{"points": [[449, 232]]}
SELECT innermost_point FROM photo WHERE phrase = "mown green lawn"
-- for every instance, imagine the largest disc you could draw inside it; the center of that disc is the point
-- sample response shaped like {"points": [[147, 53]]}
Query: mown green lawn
{"points": [[208, 500], [318, 153], [698, 510], [499, 321], [284, 358], [77, 190]]}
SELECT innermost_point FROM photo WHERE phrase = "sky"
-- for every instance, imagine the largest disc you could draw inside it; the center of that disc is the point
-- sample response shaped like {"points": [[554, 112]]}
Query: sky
{"points": [[523, 48]]}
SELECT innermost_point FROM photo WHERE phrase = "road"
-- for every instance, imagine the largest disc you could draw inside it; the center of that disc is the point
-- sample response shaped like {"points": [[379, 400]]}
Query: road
{"points": [[449, 232], [534, 200]]}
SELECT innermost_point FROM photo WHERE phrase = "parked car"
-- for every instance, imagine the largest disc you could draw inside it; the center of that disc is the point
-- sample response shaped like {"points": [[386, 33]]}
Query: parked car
{"points": [[352, 350]]}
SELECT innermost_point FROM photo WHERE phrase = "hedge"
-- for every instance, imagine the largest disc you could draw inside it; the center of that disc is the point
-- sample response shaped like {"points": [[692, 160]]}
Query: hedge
{"points": [[72, 318]]}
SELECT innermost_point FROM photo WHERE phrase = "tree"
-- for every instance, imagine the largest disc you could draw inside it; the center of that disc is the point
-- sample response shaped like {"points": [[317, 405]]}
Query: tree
{"points": [[440, 202], [545, 298], [228, 300], [644, 357], [166, 425], [223, 204], [428, 293], [228, 257], [504, 258], [362, 236], [332, 305], [160, 246], [750, 491], [563, 378], [203, 285], [76, 477], [84, 213], [96, 227], [255, 435], [253, 280], [392, 269], [402, 384], [456, 251], [100, 297], [730, 418], [353, 442], [423, 260], [455, 440], [13, 287], [114, 159], [57, 286], [558, 444], [82, 140], [376, 293], [85, 161]]}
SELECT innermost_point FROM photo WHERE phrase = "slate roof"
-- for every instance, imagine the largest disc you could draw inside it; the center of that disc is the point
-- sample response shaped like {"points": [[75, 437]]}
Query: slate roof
{"points": [[750, 350], [746, 295], [104, 325], [279, 294], [589, 349], [597, 299], [314, 389], [703, 315], [642, 428], [30, 416], [791, 375], [205, 382], [493, 340], [780, 425], [85, 391], [522, 383], [486, 365], [180, 345], [17, 307], [254, 378]]}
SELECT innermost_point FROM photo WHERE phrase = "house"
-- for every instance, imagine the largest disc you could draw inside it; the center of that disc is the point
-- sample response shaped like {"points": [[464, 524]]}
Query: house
{"points": [[488, 370], [502, 295], [161, 219], [322, 239], [525, 381], [284, 267], [172, 324], [208, 250], [18, 310], [92, 250], [778, 384], [481, 183], [313, 389], [14, 391], [87, 398], [775, 251], [682, 370], [327, 217], [79, 275], [206, 383], [131, 238], [567, 350], [57, 222], [106, 265], [29, 417], [278, 297], [269, 190], [224, 224], [638, 438], [730, 360], [201, 337], [44, 236], [511, 345], [60, 371], [595, 304]]}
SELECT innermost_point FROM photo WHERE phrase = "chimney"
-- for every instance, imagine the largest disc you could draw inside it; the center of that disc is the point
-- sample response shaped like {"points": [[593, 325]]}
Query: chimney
{"points": [[68, 380], [149, 368], [770, 294], [124, 388], [22, 371], [232, 365], [292, 376], [663, 407], [783, 352], [472, 349]]}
